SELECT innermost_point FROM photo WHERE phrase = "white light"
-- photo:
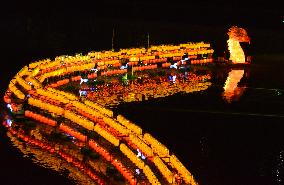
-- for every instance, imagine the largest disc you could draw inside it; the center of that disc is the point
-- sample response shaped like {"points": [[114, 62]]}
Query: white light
{"points": [[174, 78], [174, 66], [137, 171], [9, 122], [94, 69], [84, 93], [123, 67], [84, 80], [30, 83], [71, 137], [9, 107], [140, 155]]}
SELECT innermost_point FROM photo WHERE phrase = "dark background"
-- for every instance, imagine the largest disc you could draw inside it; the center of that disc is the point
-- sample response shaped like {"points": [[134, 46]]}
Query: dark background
{"points": [[36, 30], [33, 30], [39, 29]]}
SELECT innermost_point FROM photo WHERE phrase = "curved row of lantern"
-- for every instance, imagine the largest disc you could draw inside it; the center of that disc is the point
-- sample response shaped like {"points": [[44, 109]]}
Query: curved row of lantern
{"points": [[33, 81], [162, 167], [116, 125], [44, 99], [140, 164], [117, 164], [97, 148], [62, 70], [185, 45], [108, 62], [40, 118], [52, 95], [46, 106], [16, 91], [158, 147], [114, 72], [144, 54], [115, 142], [202, 61], [50, 88], [69, 96], [144, 148], [105, 135], [59, 83], [177, 58], [78, 78], [141, 145], [39, 63], [79, 120], [129, 125], [72, 132], [151, 57], [72, 116], [141, 68], [155, 144], [167, 64], [66, 69], [153, 61], [23, 83], [93, 145], [98, 107]]}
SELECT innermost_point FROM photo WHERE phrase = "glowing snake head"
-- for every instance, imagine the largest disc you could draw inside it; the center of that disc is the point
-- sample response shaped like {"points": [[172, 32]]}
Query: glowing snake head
{"points": [[238, 34]]}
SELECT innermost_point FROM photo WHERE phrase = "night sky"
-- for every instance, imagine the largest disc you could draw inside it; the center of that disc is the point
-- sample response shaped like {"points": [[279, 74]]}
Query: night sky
{"points": [[20, 20]]}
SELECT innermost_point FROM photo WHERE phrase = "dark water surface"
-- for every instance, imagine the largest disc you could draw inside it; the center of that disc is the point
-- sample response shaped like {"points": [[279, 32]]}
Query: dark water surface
{"points": [[241, 142]]}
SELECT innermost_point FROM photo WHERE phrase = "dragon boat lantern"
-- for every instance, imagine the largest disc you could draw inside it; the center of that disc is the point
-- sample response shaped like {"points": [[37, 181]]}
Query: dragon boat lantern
{"points": [[237, 35]]}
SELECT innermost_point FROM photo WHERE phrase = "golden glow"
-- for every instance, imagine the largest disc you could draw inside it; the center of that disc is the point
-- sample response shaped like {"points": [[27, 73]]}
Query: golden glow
{"points": [[95, 117], [237, 35], [66, 159], [231, 84]]}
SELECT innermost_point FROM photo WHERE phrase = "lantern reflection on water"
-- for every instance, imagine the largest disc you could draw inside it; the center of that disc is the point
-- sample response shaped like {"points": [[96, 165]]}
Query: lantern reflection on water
{"points": [[231, 89], [54, 155]]}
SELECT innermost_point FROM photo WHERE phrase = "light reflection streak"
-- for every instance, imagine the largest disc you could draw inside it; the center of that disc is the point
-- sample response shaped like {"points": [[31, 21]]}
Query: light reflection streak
{"points": [[279, 168], [231, 90], [146, 87], [52, 155]]}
